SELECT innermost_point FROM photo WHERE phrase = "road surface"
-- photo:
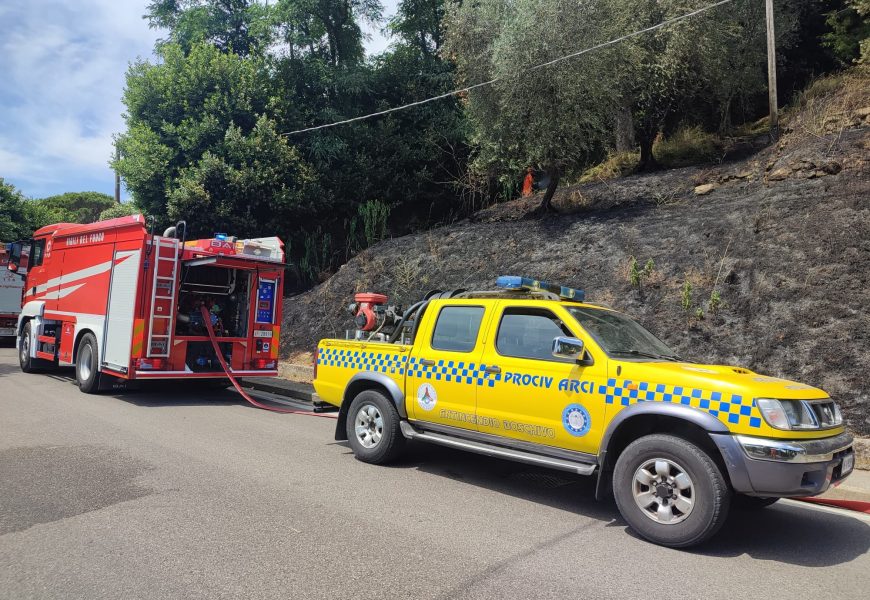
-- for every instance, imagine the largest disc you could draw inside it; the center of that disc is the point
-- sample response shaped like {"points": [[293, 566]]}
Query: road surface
{"points": [[168, 494]]}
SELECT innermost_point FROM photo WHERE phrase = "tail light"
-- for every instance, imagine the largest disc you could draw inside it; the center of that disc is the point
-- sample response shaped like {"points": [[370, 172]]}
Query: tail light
{"points": [[150, 364], [316, 357]]}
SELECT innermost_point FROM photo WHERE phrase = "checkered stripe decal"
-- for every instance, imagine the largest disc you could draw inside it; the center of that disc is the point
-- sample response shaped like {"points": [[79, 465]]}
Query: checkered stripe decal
{"points": [[731, 408], [379, 362], [385, 362], [455, 371]]}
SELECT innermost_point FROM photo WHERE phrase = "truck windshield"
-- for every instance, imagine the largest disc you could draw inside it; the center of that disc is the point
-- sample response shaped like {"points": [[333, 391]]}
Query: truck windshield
{"points": [[621, 336]]}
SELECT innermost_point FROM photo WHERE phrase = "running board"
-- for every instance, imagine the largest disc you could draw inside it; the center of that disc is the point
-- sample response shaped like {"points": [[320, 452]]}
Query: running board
{"points": [[490, 450]]}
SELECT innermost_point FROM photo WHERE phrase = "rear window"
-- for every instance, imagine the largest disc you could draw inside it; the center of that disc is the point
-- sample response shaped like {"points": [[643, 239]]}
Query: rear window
{"points": [[457, 327]]}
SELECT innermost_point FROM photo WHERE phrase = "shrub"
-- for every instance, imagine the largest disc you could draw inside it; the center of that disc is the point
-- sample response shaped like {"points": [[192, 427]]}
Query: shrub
{"points": [[688, 146]]}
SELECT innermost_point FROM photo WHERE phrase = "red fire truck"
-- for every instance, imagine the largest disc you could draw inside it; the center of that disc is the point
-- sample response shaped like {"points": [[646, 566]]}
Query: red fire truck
{"points": [[120, 303], [10, 296]]}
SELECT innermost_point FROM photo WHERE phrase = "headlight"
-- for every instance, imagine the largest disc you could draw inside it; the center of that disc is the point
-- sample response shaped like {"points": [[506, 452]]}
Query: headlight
{"points": [[799, 414]]}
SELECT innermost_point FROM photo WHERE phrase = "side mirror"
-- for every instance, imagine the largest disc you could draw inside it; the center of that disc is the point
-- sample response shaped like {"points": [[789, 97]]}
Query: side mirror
{"points": [[568, 347]]}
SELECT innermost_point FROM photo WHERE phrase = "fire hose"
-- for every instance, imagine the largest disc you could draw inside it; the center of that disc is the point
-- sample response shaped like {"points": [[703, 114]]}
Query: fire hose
{"points": [[206, 317]]}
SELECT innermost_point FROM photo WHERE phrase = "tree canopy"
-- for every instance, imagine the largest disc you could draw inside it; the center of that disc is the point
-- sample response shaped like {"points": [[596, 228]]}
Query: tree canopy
{"points": [[210, 119]]}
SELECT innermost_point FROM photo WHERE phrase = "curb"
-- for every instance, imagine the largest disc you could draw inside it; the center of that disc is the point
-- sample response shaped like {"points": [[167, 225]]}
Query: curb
{"points": [[301, 392]]}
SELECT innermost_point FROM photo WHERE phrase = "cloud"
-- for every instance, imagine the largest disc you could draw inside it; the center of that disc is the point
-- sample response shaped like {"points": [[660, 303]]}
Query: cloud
{"points": [[62, 78]]}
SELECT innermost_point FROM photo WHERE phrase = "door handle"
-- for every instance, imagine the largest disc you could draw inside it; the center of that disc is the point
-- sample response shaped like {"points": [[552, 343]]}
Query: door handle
{"points": [[493, 369], [427, 362]]}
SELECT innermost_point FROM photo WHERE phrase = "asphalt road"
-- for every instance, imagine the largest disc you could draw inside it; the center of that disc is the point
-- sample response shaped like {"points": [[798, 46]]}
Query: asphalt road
{"points": [[184, 494]]}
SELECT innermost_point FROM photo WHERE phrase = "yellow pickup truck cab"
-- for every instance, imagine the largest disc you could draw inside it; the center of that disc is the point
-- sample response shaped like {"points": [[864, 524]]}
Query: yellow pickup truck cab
{"points": [[531, 373]]}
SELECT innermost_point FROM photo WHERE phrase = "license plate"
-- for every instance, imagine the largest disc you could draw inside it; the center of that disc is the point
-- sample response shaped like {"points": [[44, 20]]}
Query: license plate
{"points": [[848, 464], [4, 331], [260, 333]]}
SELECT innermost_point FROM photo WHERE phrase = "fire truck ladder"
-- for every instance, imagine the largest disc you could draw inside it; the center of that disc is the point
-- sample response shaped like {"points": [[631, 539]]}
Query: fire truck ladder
{"points": [[163, 294]]}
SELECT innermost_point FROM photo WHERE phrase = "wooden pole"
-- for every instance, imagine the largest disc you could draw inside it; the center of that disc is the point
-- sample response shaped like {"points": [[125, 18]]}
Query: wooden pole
{"points": [[771, 72], [117, 176]]}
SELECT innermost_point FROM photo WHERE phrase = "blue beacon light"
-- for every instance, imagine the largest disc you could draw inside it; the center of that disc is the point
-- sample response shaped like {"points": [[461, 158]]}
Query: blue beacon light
{"points": [[516, 283]]}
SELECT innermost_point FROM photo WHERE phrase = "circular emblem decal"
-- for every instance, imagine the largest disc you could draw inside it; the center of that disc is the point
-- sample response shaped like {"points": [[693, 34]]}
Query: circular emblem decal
{"points": [[426, 396], [576, 419]]}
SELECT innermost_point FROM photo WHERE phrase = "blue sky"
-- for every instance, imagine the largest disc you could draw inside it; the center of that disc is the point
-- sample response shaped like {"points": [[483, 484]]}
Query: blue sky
{"points": [[62, 67]]}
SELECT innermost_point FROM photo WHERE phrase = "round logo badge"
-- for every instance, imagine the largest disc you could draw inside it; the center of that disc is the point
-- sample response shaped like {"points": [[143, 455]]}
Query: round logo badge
{"points": [[426, 396], [576, 420]]}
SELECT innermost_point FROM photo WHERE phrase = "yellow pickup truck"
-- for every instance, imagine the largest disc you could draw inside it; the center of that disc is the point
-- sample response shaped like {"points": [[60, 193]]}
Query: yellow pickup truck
{"points": [[529, 372]]}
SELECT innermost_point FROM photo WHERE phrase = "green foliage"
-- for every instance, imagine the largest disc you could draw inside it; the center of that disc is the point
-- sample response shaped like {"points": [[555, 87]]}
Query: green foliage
{"points": [[119, 210], [249, 184], [849, 35], [699, 313], [636, 274], [20, 217], [77, 207], [715, 301], [13, 214], [552, 118], [374, 215], [316, 254], [686, 296]]}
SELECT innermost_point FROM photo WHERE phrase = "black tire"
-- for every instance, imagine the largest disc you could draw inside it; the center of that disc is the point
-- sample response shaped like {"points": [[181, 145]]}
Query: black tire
{"points": [[88, 365], [743, 502], [381, 442], [27, 362], [704, 497]]}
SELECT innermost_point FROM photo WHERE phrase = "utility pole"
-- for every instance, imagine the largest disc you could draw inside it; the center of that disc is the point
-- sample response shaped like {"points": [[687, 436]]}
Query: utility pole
{"points": [[771, 73], [117, 175]]}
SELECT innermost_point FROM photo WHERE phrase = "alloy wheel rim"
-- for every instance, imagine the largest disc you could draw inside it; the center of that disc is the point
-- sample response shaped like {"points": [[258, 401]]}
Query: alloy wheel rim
{"points": [[85, 362], [663, 491], [369, 426]]}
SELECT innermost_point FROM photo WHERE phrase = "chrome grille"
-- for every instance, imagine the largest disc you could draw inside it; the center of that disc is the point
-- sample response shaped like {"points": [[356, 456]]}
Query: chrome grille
{"points": [[824, 412]]}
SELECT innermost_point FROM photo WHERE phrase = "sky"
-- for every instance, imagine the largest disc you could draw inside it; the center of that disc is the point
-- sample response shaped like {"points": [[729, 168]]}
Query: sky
{"points": [[62, 67]]}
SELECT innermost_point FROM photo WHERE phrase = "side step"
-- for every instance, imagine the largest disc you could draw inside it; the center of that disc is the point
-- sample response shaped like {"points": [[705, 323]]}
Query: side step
{"points": [[497, 451]]}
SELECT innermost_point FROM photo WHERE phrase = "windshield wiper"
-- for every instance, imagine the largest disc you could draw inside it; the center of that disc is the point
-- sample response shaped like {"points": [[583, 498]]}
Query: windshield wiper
{"points": [[673, 357]]}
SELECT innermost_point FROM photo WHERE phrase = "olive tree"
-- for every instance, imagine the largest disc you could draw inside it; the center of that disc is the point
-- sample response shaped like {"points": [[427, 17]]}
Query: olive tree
{"points": [[550, 117]]}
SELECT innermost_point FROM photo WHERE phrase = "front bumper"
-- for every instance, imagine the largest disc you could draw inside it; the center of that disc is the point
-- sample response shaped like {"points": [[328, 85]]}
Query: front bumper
{"points": [[788, 467]]}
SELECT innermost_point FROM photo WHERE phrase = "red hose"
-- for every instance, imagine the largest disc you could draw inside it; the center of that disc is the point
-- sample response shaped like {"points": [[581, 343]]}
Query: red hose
{"points": [[856, 505], [206, 317]]}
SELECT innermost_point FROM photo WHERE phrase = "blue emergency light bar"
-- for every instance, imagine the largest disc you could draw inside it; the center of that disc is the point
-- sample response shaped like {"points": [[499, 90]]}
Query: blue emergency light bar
{"points": [[514, 282]]}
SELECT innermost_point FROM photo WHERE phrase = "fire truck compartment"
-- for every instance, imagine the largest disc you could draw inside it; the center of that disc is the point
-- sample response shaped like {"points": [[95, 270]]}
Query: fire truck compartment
{"points": [[225, 292]]}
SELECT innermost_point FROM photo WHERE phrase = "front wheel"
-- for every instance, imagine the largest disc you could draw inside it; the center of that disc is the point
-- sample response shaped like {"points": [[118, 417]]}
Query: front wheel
{"points": [[373, 428], [670, 491], [88, 365], [28, 363]]}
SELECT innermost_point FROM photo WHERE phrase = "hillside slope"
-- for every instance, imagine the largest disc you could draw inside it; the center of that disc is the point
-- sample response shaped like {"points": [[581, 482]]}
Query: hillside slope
{"points": [[782, 237]]}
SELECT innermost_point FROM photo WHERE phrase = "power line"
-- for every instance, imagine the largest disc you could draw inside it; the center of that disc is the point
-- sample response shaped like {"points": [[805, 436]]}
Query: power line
{"points": [[664, 23]]}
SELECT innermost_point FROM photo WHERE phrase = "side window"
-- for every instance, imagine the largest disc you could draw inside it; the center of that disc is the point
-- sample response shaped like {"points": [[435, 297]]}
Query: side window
{"points": [[457, 327], [529, 333], [38, 252]]}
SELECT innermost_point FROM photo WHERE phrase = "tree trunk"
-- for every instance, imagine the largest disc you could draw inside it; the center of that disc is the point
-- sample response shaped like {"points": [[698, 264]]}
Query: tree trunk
{"points": [[648, 162], [546, 204], [624, 130]]}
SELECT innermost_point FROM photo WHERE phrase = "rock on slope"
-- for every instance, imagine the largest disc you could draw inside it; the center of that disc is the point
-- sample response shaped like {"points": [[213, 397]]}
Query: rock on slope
{"points": [[782, 240]]}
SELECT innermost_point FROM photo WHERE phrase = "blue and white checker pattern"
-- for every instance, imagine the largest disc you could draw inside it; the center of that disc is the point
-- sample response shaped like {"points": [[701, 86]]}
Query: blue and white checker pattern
{"points": [[730, 408], [379, 362], [456, 371], [395, 364]]}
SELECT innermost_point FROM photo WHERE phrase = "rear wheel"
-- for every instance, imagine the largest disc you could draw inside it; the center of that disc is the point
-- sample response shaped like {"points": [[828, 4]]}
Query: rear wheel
{"points": [[373, 428], [670, 491], [87, 365]]}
